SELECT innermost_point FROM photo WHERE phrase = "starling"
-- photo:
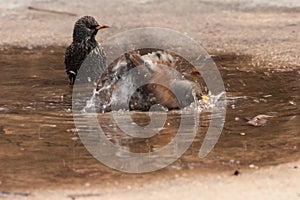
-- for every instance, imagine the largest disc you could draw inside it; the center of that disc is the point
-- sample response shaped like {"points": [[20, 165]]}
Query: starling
{"points": [[85, 45]]}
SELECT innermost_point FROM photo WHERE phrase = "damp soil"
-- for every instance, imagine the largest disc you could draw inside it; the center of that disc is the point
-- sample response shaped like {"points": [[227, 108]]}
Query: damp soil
{"points": [[39, 146]]}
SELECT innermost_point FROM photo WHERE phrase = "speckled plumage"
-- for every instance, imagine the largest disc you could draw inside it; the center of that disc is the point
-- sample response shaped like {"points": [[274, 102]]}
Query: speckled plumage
{"points": [[85, 45]]}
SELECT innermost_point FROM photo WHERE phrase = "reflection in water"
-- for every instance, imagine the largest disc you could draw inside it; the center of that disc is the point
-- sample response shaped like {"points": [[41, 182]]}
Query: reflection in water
{"points": [[39, 145]]}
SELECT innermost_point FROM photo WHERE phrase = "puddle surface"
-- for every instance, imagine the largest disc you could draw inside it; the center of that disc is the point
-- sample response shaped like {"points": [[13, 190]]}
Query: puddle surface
{"points": [[39, 146]]}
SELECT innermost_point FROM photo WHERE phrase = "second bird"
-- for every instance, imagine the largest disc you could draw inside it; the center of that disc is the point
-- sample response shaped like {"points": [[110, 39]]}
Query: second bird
{"points": [[85, 46]]}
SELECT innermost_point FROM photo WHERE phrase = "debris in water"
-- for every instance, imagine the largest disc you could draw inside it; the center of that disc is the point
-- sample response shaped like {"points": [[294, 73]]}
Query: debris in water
{"points": [[267, 96], [74, 138], [256, 100], [243, 83], [292, 103], [259, 120]]}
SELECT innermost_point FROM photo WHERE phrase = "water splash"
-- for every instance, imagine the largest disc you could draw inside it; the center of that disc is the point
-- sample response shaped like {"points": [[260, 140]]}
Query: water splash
{"points": [[90, 103]]}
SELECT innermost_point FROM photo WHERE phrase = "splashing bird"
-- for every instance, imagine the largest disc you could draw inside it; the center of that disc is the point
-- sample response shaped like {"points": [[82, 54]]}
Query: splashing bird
{"points": [[158, 68], [84, 44]]}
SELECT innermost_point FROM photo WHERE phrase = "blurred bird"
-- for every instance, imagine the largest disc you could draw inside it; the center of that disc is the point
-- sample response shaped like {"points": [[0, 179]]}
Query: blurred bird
{"points": [[84, 44], [166, 86]]}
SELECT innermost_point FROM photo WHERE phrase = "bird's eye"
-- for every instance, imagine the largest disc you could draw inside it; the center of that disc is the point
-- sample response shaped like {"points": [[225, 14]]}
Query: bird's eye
{"points": [[92, 26]]}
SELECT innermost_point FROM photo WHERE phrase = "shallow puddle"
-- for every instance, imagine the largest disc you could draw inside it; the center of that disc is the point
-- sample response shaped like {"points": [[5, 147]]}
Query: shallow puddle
{"points": [[39, 146]]}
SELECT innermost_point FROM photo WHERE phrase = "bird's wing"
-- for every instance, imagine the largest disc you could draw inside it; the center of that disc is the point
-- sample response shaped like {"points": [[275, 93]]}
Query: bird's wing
{"points": [[68, 58]]}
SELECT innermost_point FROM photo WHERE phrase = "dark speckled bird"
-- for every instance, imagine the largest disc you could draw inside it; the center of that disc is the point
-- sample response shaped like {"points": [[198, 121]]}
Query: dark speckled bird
{"points": [[84, 44]]}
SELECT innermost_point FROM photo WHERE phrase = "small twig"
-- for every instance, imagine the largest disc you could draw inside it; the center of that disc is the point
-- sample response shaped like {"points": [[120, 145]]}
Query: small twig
{"points": [[73, 197], [51, 11], [19, 194]]}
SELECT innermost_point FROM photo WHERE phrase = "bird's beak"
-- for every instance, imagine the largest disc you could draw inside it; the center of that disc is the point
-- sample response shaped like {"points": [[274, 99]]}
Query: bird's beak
{"points": [[101, 27]]}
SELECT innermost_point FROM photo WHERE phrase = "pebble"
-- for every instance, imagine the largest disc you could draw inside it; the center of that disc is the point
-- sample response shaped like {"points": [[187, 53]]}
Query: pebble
{"points": [[243, 134]]}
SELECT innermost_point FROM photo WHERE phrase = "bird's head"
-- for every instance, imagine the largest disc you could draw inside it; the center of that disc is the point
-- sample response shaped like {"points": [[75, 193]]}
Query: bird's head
{"points": [[86, 28]]}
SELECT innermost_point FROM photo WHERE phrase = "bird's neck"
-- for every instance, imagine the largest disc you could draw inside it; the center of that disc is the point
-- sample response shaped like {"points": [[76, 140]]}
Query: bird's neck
{"points": [[87, 40], [81, 36], [93, 37]]}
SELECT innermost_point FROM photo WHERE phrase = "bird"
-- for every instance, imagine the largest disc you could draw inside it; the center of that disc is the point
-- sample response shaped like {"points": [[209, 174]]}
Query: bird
{"points": [[158, 68], [85, 45]]}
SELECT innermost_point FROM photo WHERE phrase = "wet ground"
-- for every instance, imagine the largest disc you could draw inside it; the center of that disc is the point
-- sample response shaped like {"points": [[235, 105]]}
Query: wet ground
{"points": [[40, 148]]}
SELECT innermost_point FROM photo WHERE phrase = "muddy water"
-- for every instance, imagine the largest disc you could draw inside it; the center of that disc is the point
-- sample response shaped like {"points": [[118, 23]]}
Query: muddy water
{"points": [[40, 147]]}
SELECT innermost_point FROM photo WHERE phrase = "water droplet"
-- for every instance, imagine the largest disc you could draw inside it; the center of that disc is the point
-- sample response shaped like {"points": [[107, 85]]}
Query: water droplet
{"points": [[74, 138], [292, 103]]}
